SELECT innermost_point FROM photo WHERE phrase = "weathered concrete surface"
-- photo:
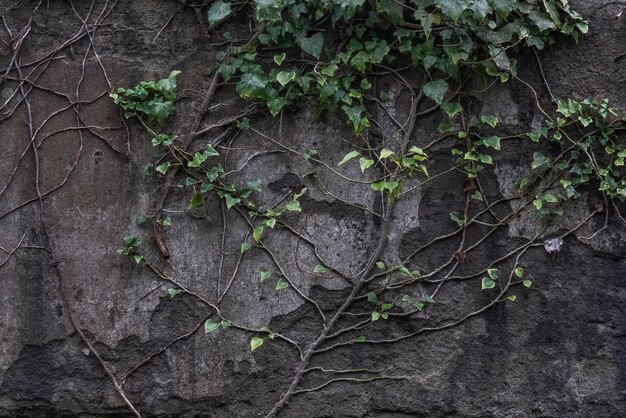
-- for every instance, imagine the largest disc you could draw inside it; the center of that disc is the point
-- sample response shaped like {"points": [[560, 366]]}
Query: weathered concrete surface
{"points": [[557, 352]]}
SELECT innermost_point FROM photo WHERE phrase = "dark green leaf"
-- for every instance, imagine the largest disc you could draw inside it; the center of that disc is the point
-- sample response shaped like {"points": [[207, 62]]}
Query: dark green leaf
{"points": [[436, 90]]}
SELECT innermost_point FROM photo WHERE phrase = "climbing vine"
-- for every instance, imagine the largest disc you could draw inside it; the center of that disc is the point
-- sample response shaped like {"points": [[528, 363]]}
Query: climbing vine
{"points": [[333, 54], [386, 70]]}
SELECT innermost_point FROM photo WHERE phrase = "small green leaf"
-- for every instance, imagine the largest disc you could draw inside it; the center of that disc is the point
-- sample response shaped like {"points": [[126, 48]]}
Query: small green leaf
{"points": [[360, 339], [519, 272], [226, 324], [371, 297], [271, 222], [487, 283], [196, 201], [278, 59], [348, 157], [255, 343], [264, 274], [375, 316], [484, 158], [493, 273], [380, 265], [489, 120], [385, 152], [282, 284], [231, 201], [365, 163], [138, 258], [457, 218], [245, 246], [492, 142], [257, 232], [162, 168], [210, 326], [320, 269], [550, 198], [285, 77], [527, 283], [477, 196], [539, 160], [173, 292], [293, 206], [512, 298], [407, 298], [427, 299], [255, 184]]}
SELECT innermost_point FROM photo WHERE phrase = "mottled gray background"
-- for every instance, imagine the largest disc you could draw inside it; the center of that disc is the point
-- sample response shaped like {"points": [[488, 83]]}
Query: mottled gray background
{"points": [[558, 351]]}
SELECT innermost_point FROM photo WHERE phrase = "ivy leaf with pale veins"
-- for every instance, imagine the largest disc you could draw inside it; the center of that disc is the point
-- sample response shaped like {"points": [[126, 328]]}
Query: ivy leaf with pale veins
{"points": [[251, 86], [436, 90], [453, 8], [218, 11], [312, 45]]}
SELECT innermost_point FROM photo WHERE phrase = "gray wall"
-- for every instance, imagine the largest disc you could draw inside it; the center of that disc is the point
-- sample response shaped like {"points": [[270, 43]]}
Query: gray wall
{"points": [[558, 351]]}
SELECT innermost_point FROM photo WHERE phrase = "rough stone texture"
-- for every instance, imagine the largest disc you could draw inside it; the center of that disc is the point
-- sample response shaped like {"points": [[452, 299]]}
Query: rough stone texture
{"points": [[557, 352]]}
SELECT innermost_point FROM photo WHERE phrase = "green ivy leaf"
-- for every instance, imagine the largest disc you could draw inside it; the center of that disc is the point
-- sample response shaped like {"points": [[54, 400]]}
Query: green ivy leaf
{"points": [[360, 339], [527, 283], [489, 120], [197, 200], [282, 284], [218, 11], [255, 343], [257, 232], [312, 45], [231, 201], [245, 246], [436, 90], [251, 86], [173, 292], [169, 84], [453, 8], [285, 77], [293, 206], [210, 326], [487, 283], [264, 274], [539, 160], [492, 142], [278, 59], [255, 184], [162, 168], [320, 269], [457, 218], [365, 163], [371, 297], [348, 157]]}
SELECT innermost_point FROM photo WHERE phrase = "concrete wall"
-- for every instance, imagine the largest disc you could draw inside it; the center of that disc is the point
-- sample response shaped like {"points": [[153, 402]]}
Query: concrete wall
{"points": [[558, 351]]}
